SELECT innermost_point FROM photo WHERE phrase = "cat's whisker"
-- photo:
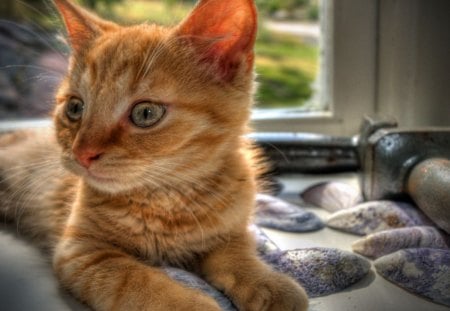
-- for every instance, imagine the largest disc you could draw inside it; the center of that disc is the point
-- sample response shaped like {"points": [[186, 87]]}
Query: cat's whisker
{"points": [[207, 214], [43, 77], [167, 175], [156, 53], [16, 179], [31, 196], [190, 181], [34, 33], [191, 202], [22, 186], [35, 10], [29, 165], [199, 184], [32, 67], [6, 145], [139, 74], [153, 56], [42, 167]]}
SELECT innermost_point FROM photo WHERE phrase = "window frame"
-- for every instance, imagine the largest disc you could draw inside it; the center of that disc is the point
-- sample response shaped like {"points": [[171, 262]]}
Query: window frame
{"points": [[10, 125], [347, 76]]}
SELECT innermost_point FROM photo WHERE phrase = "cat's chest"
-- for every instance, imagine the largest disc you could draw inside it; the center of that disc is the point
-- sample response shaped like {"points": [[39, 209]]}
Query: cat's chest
{"points": [[164, 229]]}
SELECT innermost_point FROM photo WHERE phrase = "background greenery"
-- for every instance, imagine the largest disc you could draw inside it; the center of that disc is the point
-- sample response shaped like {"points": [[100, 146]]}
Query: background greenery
{"points": [[286, 65]]}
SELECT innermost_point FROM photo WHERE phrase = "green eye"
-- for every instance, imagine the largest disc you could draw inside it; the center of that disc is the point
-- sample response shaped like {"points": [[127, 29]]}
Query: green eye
{"points": [[74, 109], [146, 114]]}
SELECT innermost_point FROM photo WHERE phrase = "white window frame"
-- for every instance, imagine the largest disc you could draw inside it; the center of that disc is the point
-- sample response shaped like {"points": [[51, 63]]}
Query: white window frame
{"points": [[347, 75]]}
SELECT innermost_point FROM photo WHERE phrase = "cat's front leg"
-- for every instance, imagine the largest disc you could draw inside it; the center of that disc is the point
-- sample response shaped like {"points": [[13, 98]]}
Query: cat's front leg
{"points": [[108, 279], [251, 284]]}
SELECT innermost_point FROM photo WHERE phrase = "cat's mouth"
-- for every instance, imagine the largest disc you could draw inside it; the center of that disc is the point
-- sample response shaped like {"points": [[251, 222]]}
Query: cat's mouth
{"points": [[90, 174], [103, 182], [98, 178], [109, 182]]}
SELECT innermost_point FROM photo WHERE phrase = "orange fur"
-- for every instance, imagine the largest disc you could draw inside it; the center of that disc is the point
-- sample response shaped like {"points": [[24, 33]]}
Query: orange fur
{"points": [[178, 193]]}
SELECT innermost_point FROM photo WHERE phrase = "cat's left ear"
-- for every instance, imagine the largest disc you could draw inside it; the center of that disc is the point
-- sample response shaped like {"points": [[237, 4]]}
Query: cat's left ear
{"points": [[82, 26], [224, 32]]}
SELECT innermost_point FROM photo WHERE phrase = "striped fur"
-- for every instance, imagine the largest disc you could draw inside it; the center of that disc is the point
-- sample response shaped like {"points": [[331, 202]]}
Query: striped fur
{"points": [[179, 193]]}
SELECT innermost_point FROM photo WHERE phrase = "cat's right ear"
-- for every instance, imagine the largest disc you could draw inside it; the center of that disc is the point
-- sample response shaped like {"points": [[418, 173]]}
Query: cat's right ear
{"points": [[224, 33], [82, 26]]}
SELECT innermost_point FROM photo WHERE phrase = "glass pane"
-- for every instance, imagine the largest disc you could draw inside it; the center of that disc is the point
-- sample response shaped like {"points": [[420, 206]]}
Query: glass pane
{"points": [[287, 52], [33, 56]]}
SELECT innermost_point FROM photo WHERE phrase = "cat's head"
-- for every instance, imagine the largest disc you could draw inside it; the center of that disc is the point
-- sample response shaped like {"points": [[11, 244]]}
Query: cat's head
{"points": [[148, 105]]}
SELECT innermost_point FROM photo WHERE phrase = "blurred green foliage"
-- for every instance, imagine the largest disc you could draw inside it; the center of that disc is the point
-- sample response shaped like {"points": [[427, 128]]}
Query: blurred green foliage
{"points": [[271, 6], [291, 8], [286, 69], [285, 65], [171, 3], [93, 4], [20, 10], [313, 12]]}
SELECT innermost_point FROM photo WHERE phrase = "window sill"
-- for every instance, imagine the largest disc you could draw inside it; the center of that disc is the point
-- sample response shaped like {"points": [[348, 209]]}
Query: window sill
{"points": [[6, 126], [289, 114], [292, 120]]}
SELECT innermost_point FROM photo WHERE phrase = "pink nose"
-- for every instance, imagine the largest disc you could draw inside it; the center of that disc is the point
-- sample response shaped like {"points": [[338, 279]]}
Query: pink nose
{"points": [[86, 156]]}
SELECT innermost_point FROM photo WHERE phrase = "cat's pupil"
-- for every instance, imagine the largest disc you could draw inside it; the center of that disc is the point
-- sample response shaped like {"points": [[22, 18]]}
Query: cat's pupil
{"points": [[147, 113], [74, 109]]}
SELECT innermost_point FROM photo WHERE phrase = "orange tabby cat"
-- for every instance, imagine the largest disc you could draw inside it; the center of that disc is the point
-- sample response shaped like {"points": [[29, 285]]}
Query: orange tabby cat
{"points": [[149, 124]]}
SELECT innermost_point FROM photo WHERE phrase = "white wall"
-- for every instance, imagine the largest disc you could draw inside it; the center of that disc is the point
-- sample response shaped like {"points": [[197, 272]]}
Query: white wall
{"points": [[389, 57], [414, 61]]}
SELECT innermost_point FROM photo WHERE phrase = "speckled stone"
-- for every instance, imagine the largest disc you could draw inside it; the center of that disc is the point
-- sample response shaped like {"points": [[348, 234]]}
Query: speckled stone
{"points": [[193, 281], [422, 271], [374, 216], [275, 213], [322, 271], [385, 242], [264, 245], [332, 196]]}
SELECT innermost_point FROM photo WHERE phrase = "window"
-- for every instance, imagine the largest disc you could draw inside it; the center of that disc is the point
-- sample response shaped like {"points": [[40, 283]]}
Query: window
{"points": [[347, 75], [375, 56], [32, 62]]}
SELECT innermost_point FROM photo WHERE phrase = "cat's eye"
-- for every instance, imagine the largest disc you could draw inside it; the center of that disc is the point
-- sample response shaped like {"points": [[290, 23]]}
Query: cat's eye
{"points": [[146, 114], [74, 109]]}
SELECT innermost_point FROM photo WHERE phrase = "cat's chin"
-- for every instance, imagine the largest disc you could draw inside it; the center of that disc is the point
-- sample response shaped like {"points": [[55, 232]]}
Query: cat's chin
{"points": [[102, 183], [107, 185]]}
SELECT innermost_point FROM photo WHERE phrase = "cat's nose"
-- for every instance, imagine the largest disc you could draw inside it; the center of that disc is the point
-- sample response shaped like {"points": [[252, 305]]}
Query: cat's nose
{"points": [[86, 156]]}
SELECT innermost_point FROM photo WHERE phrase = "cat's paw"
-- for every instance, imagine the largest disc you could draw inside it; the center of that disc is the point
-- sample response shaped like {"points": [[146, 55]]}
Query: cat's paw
{"points": [[198, 302], [272, 292], [174, 297], [186, 301]]}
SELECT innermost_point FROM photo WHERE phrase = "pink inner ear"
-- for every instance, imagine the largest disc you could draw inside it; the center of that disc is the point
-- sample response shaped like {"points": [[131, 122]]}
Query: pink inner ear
{"points": [[77, 24], [79, 34], [231, 25]]}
